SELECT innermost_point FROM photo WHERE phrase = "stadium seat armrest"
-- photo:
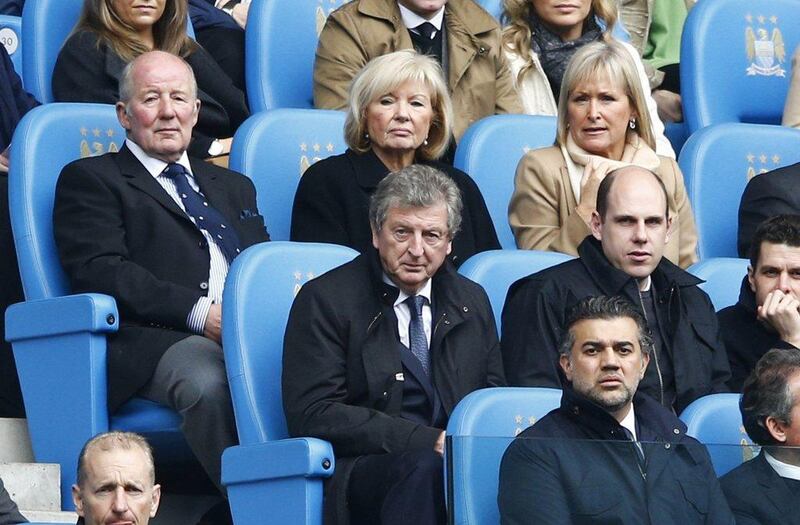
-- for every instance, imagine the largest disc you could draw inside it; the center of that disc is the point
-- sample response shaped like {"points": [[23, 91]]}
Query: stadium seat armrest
{"points": [[61, 316], [286, 458]]}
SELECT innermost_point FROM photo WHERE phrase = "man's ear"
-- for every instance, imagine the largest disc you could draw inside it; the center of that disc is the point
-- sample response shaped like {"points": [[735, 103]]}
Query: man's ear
{"points": [[669, 229], [122, 115], [596, 225], [156, 500], [566, 366], [77, 500], [751, 278], [374, 237], [776, 428]]}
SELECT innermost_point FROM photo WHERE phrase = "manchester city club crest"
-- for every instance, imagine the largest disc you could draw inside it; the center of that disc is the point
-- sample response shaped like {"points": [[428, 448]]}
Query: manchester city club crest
{"points": [[765, 48]]}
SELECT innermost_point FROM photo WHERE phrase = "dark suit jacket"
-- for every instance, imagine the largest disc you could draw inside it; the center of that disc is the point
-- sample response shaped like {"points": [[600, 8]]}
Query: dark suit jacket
{"points": [[119, 233], [774, 193], [205, 16], [577, 466], [89, 72], [9, 514], [11, 7], [332, 204], [758, 496], [14, 100], [341, 361]]}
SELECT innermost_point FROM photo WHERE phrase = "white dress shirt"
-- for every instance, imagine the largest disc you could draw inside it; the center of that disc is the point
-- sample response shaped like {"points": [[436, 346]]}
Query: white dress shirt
{"points": [[218, 267], [784, 470], [403, 313], [412, 19]]}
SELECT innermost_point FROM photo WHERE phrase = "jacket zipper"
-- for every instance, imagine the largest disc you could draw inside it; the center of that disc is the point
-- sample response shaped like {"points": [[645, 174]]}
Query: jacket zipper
{"points": [[653, 349]]}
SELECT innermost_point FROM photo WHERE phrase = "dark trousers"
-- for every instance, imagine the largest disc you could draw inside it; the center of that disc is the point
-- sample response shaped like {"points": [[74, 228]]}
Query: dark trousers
{"points": [[190, 378], [10, 293], [398, 489]]}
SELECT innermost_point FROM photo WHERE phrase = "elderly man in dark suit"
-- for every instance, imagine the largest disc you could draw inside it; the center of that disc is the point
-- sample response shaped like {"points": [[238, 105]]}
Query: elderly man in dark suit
{"points": [[766, 489], [158, 230], [379, 351]]}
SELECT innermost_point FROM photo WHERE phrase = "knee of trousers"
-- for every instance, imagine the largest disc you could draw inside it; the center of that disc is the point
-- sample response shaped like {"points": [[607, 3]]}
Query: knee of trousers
{"points": [[206, 386], [420, 465]]}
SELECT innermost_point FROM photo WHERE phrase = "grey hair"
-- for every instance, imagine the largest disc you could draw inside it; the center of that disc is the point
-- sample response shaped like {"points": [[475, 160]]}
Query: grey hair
{"points": [[416, 186], [766, 393], [108, 441], [606, 308], [126, 79]]}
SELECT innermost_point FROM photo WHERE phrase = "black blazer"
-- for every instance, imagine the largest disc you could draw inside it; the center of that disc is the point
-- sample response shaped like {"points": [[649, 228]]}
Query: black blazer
{"points": [[14, 100], [119, 233], [774, 193], [332, 204], [757, 495], [89, 71]]}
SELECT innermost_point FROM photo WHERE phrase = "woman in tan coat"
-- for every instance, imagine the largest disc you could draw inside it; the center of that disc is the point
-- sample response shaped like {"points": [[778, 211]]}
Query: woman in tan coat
{"points": [[603, 124]]}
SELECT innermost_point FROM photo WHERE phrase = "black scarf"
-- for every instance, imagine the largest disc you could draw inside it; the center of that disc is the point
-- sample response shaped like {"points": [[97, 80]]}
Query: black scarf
{"points": [[554, 54]]}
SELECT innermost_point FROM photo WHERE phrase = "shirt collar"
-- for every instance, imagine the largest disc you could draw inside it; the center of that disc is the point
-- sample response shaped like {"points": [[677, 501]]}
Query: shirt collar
{"points": [[784, 470], [425, 291], [155, 167], [629, 422], [412, 19]]}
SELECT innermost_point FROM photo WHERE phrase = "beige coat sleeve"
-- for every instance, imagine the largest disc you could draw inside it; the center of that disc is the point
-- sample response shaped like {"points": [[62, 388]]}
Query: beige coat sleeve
{"points": [[685, 235], [541, 212], [791, 110], [340, 56]]}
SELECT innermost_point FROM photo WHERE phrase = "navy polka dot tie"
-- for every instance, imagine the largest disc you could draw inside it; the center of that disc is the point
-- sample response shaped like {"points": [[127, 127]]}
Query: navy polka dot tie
{"points": [[205, 216], [417, 340]]}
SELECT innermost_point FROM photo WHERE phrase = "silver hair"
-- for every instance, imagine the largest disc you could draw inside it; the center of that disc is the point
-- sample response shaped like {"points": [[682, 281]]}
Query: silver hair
{"points": [[416, 186], [126, 79]]}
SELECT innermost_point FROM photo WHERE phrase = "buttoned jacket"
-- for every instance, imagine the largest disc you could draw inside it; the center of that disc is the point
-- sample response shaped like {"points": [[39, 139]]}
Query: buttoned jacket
{"points": [[118, 232]]}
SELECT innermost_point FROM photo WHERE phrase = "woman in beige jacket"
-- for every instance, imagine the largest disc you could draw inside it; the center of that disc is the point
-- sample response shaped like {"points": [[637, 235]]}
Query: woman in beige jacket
{"points": [[603, 124]]}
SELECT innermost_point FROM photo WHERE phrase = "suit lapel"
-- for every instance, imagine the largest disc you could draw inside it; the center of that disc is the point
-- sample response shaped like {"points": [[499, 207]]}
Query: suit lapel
{"points": [[774, 487], [140, 178]]}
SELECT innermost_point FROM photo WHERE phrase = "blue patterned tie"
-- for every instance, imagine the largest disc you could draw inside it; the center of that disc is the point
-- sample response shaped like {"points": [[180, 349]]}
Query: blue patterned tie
{"points": [[416, 332], [205, 216]]}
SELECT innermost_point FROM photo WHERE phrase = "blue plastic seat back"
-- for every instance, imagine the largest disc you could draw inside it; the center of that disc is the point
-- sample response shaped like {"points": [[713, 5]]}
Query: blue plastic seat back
{"points": [[482, 426], [274, 148], [736, 61], [259, 291], [717, 162], [280, 44], [45, 27], [46, 139], [497, 270], [10, 37], [723, 279], [489, 152], [716, 420]]}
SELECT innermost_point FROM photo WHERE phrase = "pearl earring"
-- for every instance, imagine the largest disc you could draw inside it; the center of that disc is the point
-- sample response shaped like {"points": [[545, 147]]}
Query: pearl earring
{"points": [[632, 123]]}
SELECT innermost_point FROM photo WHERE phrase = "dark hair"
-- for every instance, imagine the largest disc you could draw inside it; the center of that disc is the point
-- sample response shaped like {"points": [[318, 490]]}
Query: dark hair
{"points": [[780, 229], [416, 186], [605, 188], [604, 307], [766, 393]]}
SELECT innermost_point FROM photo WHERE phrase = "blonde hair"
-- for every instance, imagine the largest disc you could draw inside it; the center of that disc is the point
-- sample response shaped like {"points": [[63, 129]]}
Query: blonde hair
{"points": [[615, 62], [517, 30], [382, 75], [169, 31]]}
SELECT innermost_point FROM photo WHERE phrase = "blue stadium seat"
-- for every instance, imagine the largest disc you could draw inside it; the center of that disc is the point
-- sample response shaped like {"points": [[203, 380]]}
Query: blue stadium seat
{"points": [[717, 162], [280, 43], [269, 474], [274, 148], [46, 24], [736, 61], [10, 36], [716, 420], [59, 340], [489, 152], [496, 270], [480, 429], [723, 279]]}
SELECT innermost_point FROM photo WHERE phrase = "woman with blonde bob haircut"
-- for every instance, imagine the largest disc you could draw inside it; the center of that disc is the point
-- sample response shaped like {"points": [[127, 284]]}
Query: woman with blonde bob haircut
{"points": [[540, 38], [398, 113], [603, 125], [111, 33]]}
